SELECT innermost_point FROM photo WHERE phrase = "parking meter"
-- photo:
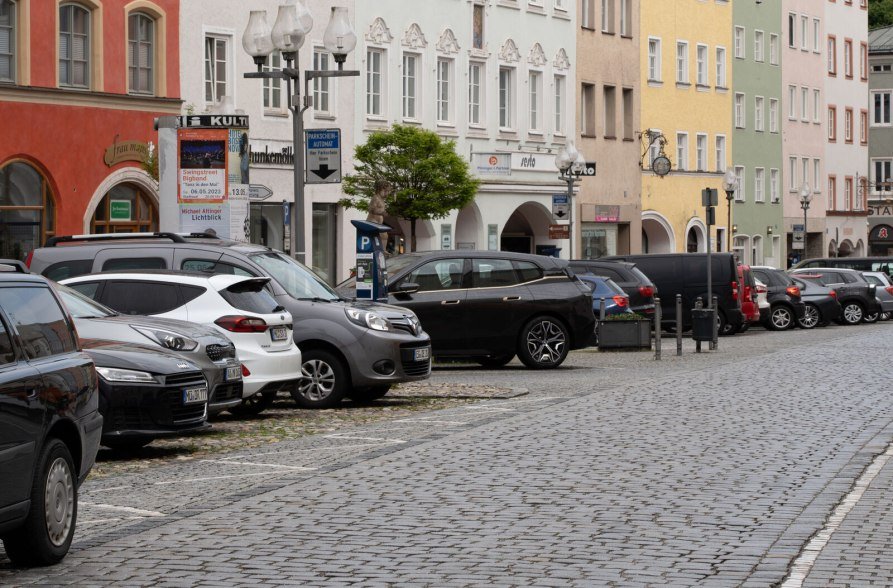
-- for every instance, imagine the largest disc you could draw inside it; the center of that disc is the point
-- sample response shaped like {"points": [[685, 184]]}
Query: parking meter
{"points": [[372, 275]]}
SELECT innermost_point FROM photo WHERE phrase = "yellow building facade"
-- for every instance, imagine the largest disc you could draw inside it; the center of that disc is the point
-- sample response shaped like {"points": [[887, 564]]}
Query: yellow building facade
{"points": [[687, 52]]}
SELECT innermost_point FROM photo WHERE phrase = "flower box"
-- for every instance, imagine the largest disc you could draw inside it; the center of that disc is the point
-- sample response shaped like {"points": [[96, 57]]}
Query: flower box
{"points": [[624, 334]]}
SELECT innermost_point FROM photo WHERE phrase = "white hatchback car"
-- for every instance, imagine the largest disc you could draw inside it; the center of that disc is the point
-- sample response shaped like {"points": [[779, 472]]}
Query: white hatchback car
{"points": [[237, 306]]}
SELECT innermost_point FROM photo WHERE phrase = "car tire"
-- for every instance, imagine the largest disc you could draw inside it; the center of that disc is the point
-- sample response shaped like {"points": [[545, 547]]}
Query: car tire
{"points": [[126, 444], [781, 318], [723, 327], [369, 393], [44, 537], [744, 327], [885, 316], [254, 405], [324, 382], [544, 343], [812, 317], [852, 313], [495, 361], [871, 318]]}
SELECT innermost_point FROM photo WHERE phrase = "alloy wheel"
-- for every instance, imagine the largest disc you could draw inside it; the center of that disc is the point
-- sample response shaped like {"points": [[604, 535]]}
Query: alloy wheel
{"points": [[781, 318], [871, 318], [318, 380], [58, 502], [810, 318], [545, 342], [852, 313]]}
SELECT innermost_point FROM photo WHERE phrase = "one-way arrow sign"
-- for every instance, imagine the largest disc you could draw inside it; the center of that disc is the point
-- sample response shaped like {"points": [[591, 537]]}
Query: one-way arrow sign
{"points": [[324, 171], [323, 156]]}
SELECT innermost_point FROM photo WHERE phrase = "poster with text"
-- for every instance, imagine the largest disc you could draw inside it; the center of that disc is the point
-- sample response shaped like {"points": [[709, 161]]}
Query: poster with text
{"points": [[209, 217], [238, 157], [239, 216], [202, 165]]}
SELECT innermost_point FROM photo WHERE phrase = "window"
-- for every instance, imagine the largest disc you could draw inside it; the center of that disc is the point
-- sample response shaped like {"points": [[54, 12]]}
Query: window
{"points": [[720, 67], [626, 17], [7, 43], [816, 174], [792, 102], [27, 210], [559, 104], [702, 65], [588, 18], [41, 324], [443, 274], [792, 30], [321, 96], [475, 79], [832, 123], [741, 192], [374, 89], [773, 186], [773, 115], [832, 192], [863, 127], [848, 125], [134, 297], [773, 48], [882, 177], [681, 62], [608, 16], [628, 113], [682, 151], [74, 46], [739, 42], [410, 84], [816, 35], [848, 58], [654, 150], [848, 193], [882, 67], [880, 107], [610, 102], [141, 53], [804, 32], [816, 105], [587, 110], [792, 174], [535, 92], [273, 87], [863, 61], [832, 55], [212, 267], [759, 113], [477, 25], [701, 152], [506, 98], [7, 355], [492, 273], [720, 153], [805, 168], [444, 90], [804, 104], [758, 46], [759, 184], [740, 117], [216, 75], [654, 60]]}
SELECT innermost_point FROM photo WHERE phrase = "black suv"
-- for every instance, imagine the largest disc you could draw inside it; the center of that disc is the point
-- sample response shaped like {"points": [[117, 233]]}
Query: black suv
{"points": [[786, 306], [857, 298], [49, 420], [637, 286]]}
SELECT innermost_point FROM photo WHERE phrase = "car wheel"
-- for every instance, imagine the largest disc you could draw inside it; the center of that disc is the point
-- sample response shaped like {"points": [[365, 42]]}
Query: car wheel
{"points": [[46, 534], [853, 313], [495, 361], [544, 343], [324, 383], [369, 393], [811, 317], [744, 327], [254, 405], [871, 318], [126, 444], [885, 316], [781, 318], [723, 328]]}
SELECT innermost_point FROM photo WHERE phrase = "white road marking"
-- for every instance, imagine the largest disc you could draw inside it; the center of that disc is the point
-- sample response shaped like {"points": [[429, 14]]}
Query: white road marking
{"points": [[261, 465], [329, 448], [190, 480], [489, 408], [92, 490], [128, 509], [345, 436], [432, 421], [97, 521], [802, 566]]}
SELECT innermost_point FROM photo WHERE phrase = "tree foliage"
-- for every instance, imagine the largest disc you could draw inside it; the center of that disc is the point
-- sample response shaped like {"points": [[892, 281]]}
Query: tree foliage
{"points": [[426, 176], [880, 13]]}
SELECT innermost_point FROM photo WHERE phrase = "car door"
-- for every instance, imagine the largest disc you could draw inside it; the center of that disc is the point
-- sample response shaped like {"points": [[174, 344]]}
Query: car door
{"points": [[143, 297], [496, 306], [440, 301]]}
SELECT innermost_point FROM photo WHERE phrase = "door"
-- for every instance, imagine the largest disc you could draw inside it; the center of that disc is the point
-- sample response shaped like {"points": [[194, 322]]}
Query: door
{"points": [[494, 306]]}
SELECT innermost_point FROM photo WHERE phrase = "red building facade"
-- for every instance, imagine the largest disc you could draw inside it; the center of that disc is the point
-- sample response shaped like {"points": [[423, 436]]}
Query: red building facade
{"points": [[81, 82]]}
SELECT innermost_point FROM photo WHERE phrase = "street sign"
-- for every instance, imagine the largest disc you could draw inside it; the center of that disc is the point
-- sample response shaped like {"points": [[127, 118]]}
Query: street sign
{"points": [[258, 192], [323, 156], [560, 207], [589, 169], [559, 231]]}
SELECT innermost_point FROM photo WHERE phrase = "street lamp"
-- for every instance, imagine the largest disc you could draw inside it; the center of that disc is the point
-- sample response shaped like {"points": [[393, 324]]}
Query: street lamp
{"points": [[570, 164], [293, 23], [730, 185], [805, 198]]}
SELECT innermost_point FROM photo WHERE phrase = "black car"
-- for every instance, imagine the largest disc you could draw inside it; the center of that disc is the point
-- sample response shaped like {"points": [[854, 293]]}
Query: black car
{"points": [[146, 393], [820, 304], [491, 305], [638, 287], [857, 298], [49, 420], [785, 305]]}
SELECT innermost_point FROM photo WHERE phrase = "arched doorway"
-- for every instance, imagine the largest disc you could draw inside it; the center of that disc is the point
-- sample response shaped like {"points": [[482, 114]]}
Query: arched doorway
{"points": [[126, 208], [657, 236], [741, 248], [845, 249], [27, 210], [832, 248], [523, 230], [469, 228], [399, 240]]}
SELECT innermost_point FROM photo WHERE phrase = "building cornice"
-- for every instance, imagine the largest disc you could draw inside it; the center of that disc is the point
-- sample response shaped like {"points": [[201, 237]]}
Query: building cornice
{"points": [[64, 97]]}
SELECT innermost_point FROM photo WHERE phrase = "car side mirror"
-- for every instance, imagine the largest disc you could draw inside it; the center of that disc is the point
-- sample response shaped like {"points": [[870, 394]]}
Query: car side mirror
{"points": [[406, 288]]}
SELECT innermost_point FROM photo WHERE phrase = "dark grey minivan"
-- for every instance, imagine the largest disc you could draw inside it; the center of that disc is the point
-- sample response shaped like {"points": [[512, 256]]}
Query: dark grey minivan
{"points": [[349, 349]]}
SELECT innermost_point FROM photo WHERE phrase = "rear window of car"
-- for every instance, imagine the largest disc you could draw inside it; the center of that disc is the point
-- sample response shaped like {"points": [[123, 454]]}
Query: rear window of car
{"points": [[213, 267], [37, 317], [68, 269], [133, 263], [874, 280], [250, 297], [528, 271], [136, 297], [190, 293], [6, 352]]}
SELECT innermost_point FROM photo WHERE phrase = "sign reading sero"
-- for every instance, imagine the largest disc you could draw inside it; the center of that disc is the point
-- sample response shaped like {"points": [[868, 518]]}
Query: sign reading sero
{"points": [[323, 156], [120, 210], [559, 231]]}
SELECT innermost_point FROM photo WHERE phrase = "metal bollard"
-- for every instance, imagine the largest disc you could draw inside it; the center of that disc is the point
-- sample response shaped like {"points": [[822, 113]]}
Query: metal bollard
{"points": [[678, 324], [657, 322], [601, 309], [699, 304], [715, 343]]}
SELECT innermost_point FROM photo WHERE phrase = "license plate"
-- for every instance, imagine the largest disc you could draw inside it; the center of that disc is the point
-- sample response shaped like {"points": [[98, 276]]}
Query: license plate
{"points": [[279, 333], [233, 373], [195, 395], [421, 354]]}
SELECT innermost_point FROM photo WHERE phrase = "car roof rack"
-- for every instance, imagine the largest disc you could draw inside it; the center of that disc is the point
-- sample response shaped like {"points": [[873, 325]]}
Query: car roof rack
{"points": [[53, 241], [13, 265]]}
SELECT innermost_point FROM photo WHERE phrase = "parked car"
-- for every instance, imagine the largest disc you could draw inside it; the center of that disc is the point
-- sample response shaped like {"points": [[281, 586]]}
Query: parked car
{"points": [[863, 264], [146, 393], [748, 293], [207, 348], [686, 274], [239, 307], [820, 304], [858, 298], [491, 305], [785, 305], [884, 292], [349, 349], [49, 420], [616, 300], [637, 286]]}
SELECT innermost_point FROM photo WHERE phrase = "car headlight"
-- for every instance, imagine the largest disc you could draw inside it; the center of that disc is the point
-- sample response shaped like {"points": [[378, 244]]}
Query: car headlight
{"points": [[371, 320], [121, 375], [168, 339]]}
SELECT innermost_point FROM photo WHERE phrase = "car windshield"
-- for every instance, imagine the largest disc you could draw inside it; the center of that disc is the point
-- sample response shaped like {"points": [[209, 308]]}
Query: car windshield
{"points": [[300, 282], [79, 306]]}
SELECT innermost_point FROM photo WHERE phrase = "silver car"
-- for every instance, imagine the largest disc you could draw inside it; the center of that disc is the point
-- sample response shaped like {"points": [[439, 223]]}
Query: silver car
{"points": [[883, 292], [212, 352]]}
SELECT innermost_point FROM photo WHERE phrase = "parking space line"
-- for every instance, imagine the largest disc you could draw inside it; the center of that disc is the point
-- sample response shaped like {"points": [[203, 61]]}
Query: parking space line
{"points": [[208, 478], [345, 436], [262, 465], [128, 509], [98, 521], [431, 421], [309, 449]]}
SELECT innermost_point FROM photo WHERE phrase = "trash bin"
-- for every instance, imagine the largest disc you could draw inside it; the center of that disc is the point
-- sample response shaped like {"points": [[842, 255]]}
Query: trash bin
{"points": [[702, 324]]}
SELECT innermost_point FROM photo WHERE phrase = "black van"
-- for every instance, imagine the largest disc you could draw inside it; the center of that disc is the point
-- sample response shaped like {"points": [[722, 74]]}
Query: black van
{"points": [[686, 274], [863, 264]]}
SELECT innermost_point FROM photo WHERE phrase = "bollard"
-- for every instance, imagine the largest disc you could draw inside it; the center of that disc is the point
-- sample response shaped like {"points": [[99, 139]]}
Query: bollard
{"points": [[657, 322], [678, 324], [715, 343], [699, 304], [601, 309]]}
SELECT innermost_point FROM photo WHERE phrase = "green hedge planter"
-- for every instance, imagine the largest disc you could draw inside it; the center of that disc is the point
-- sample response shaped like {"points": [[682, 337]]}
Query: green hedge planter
{"points": [[624, 334]]}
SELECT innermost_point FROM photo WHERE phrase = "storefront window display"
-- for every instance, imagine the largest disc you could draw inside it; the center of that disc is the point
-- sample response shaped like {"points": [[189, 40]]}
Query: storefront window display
{"points": [[27, 210]]}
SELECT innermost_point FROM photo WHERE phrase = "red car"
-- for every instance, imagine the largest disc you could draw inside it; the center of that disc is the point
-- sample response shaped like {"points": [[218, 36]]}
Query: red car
{"points": [[747, 294]]}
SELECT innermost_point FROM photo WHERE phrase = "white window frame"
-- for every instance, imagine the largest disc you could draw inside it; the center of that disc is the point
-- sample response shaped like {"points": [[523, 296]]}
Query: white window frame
{"points": [[774, 194], [682, 151], [721, 67], [740, 110], [535, 109], [702, 58], [654, 59], [682, 74], [792, 173], [214, 65], [414, 83], [625, 18], [273, 87], [476, 94], [816, 35], [885, 182], [320, 87], [792, 102], [804, 32], [701, 152], [12, 37], [817, 106], [817, 175], [507, 99], [379, 75], [444, 101], [759, 46], [654, 149], [741, 175], [792, 30], [804, 104], [560, 104], [759, 114], [759, 184], [773, 115], [608, 16], [872, 110], [720, 153], [739, 43], [774, 48]]}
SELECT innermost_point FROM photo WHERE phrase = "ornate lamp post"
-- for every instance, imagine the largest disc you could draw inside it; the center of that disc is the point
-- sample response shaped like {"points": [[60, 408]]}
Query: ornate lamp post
{"points": [[805, 199], [570, 164], [730, 185]]}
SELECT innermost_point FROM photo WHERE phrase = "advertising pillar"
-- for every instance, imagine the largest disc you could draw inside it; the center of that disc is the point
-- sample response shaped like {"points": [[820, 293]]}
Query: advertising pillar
{"points": [[372, 276]]}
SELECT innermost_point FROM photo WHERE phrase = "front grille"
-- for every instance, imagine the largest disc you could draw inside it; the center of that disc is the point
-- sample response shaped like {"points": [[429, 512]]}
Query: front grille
{"points": [[414, 368], [225, 392], [185, 379], [183, 413], [404, 324], [218, 352]]}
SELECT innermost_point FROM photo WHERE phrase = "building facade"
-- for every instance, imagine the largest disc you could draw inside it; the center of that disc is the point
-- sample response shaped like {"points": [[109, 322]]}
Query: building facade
{"points": [[880, 142], [608, 97], [81, 83]]}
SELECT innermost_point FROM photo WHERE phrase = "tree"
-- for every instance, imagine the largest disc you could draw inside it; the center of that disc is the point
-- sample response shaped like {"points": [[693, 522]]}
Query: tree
{"points": [[425, 176], [880, 13]]}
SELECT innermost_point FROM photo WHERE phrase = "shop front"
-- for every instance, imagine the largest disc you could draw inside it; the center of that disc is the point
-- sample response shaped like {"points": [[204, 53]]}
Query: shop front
{"points": [[880, 230]]}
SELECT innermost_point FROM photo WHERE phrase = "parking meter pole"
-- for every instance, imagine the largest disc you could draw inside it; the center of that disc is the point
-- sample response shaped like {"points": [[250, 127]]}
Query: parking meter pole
{"points": [[678, 324], [372, 275], [657, 328], [601, 309], [699, 304], [715, 342]]}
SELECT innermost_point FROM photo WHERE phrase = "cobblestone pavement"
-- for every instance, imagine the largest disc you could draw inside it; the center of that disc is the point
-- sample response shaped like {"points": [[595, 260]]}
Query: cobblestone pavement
{"points": [[713, 469]]}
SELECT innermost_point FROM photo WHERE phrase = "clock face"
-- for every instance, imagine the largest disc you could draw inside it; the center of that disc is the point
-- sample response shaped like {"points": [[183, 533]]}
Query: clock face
{"points": [[661, 165]]}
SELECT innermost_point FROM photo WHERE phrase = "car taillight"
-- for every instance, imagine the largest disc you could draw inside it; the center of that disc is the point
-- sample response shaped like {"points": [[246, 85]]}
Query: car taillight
{"points": [[241, 324], [793, 291], [620, 301], [29, 258], [245, 372], [762, 289], [734, 290], [833, 294], [889, 289], [748, 294], [646, 291]]}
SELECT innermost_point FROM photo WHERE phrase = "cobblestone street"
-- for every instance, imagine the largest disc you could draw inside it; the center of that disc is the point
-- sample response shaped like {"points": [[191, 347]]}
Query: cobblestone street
{"points": [[714, 469]]}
